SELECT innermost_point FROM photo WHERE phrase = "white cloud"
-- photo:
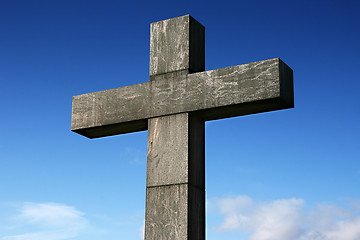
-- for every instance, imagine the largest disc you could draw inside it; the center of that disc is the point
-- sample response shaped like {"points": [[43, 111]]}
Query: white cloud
{"points": [[51, 220], [142, 231], [286, 219], [42, 235]]}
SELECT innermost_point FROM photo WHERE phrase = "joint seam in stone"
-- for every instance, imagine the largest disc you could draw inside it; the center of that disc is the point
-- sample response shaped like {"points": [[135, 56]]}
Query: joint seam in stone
{"points": [[173, 184]]}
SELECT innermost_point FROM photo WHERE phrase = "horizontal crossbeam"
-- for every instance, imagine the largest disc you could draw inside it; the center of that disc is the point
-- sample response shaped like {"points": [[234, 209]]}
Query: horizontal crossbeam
{"points": [[227, 92]]}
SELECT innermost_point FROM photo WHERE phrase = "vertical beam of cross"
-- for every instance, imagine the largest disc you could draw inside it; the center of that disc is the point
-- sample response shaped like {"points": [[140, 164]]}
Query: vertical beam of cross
{"points": [[175, 186]]}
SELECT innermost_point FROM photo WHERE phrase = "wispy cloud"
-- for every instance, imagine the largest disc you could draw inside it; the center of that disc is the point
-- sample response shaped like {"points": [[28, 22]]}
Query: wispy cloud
{"points": [[52, 221], [142, 231], [286, 219]]}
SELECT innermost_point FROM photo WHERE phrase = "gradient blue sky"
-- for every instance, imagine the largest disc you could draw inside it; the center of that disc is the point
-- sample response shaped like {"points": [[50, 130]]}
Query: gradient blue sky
{"points": [[284, 175]]}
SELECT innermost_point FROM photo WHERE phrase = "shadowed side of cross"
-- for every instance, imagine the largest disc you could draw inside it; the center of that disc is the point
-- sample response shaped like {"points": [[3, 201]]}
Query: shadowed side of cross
{"points": [[173, 106]]}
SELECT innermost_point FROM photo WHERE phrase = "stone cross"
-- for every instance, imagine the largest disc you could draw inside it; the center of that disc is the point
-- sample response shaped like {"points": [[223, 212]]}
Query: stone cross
{"points": [[173, 106]]}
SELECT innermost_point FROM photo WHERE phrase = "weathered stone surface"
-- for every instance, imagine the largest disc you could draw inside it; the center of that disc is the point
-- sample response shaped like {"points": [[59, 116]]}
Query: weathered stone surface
{"points": [[167, 158], [196, 214], [176, 146], [175, 195], [166, 214], [233, 91], [177, 44], [175, 212]]}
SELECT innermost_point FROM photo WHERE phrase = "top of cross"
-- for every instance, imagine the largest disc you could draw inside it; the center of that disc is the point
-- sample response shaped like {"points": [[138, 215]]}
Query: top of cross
{"points": [[177, 44]]}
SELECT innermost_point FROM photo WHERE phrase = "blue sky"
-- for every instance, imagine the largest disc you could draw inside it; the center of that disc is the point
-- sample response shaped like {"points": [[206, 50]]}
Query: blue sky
{"points": [[291, 174]]}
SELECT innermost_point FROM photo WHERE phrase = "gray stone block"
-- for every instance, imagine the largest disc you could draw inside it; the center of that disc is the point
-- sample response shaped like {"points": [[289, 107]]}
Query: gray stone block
{"points": [[167, 158], [166, 214], [176, 150], [177, 44], [196, 213], [175, 212], [233, 91]]}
